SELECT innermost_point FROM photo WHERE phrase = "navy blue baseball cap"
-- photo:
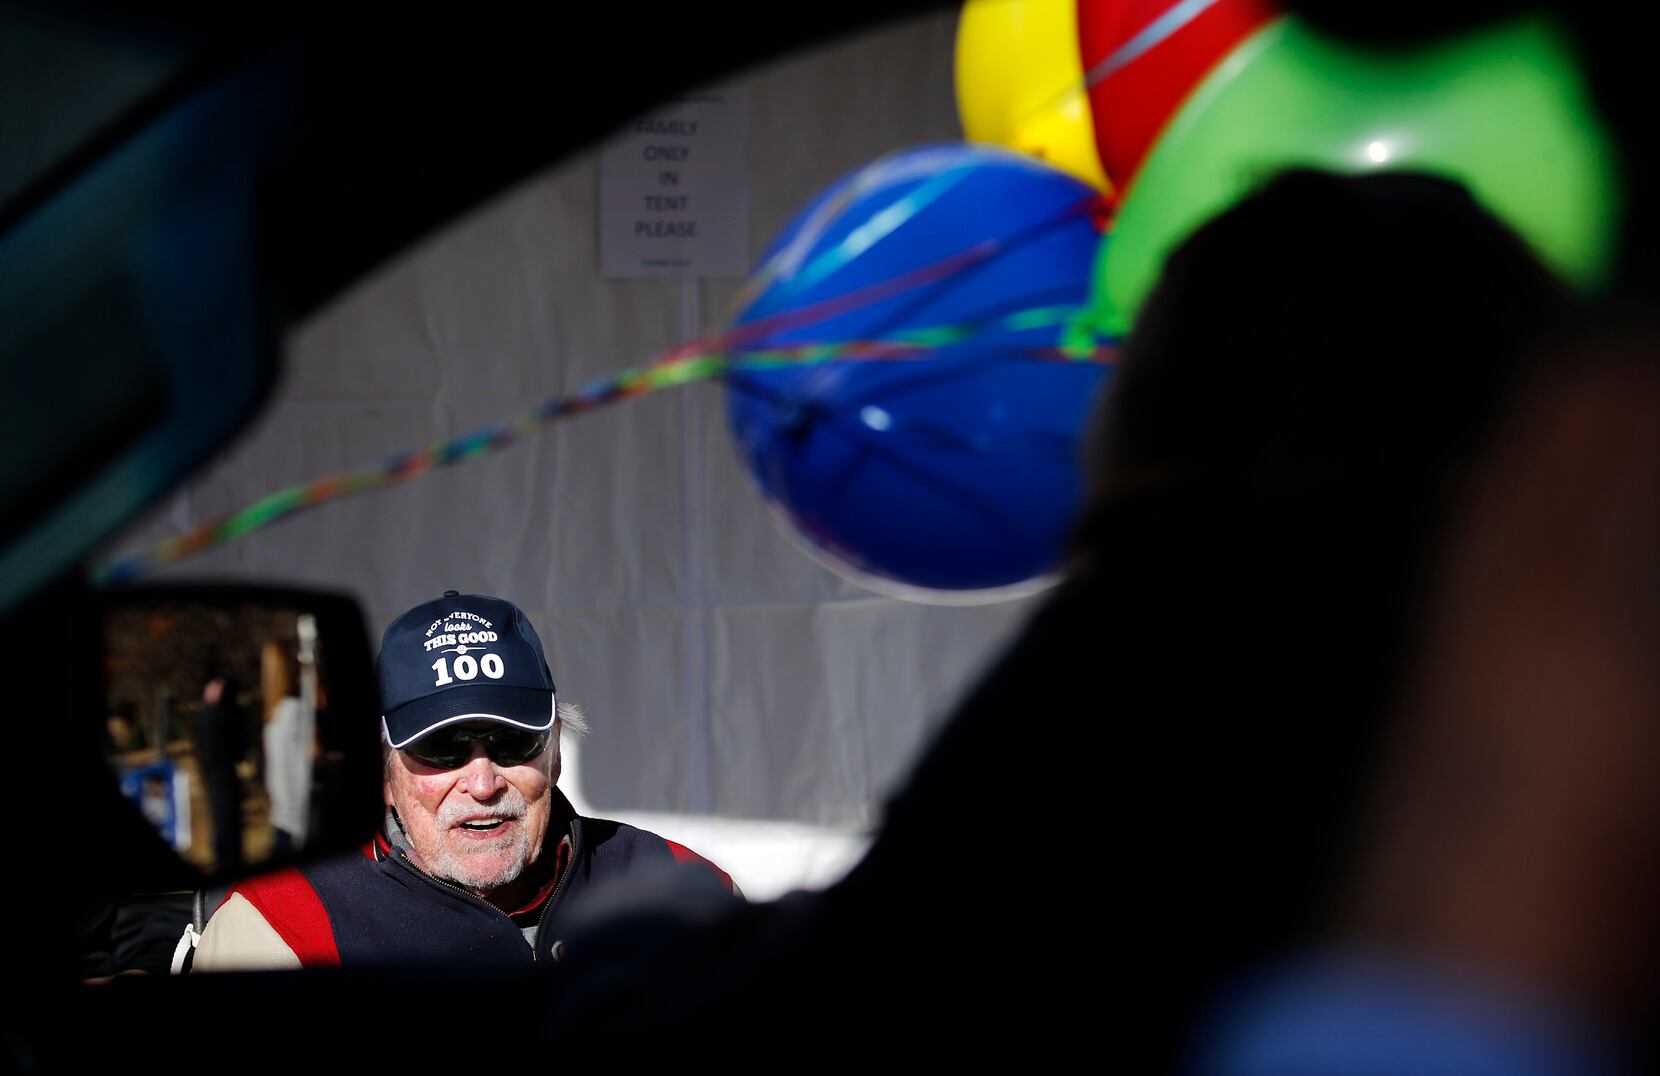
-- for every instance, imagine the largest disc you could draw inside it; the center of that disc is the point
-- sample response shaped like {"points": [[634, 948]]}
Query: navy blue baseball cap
{"points": [[462, 657]]}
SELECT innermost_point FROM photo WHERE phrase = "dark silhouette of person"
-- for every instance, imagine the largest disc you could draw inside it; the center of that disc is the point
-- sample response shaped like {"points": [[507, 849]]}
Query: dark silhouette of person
{"points": [[223, 744], [1159, 783]]}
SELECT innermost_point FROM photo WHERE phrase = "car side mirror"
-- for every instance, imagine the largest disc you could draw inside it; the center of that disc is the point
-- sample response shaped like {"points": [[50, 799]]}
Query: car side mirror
{"points": [[241, 722]]}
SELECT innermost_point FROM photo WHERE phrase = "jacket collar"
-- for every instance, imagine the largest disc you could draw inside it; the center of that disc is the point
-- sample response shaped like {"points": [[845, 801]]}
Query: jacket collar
{"points": [[393, 843]]}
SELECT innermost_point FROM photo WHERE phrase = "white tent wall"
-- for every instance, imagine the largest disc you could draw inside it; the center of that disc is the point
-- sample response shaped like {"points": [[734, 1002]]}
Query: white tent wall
{"points": [[730, 681]]}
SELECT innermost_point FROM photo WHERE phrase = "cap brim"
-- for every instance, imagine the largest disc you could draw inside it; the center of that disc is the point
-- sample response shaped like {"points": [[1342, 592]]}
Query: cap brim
{"points": [[524, 707]]}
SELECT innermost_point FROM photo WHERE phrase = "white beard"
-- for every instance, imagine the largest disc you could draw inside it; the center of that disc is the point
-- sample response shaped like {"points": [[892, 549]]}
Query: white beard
{"points": [[488, 867]]}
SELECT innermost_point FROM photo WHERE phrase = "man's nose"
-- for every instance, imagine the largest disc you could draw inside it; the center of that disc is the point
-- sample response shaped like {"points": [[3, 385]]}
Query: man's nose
{"points": [[480, 776]]}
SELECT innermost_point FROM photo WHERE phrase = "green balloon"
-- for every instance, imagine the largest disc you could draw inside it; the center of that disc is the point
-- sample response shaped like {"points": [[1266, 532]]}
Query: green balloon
{"points": [[1505, 111]]}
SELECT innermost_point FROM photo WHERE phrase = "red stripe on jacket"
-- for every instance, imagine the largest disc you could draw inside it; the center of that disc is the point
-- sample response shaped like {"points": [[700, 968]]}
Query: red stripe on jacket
{"points": [[682, 854], [296, 913]]}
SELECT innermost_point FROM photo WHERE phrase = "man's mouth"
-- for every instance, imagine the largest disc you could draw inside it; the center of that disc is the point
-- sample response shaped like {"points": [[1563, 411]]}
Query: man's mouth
{"points": [[484, 825]]}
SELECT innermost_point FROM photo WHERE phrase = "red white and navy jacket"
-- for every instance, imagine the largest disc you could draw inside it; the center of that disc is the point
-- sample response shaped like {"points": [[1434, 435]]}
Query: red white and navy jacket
{"points": [[377, 908]]}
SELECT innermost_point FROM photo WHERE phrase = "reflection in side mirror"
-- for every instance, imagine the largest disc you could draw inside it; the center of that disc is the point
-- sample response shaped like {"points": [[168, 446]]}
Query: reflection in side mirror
{"points": [[240, 722]]}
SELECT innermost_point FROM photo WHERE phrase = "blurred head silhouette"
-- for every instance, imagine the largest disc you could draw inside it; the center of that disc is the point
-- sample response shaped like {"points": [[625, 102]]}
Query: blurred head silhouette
{"points": [[1328, 336], [1297, 412]]}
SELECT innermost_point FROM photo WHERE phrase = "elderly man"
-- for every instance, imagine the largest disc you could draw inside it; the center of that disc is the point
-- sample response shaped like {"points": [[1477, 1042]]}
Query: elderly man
{"points": [[480, 852]]}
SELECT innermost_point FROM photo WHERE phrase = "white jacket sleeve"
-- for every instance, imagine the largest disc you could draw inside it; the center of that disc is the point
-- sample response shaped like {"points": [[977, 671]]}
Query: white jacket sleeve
{"points": [[238, 938]]}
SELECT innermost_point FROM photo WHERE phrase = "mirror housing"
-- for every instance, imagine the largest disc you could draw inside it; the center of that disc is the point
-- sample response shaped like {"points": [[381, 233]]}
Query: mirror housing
{"points": [[239, 723]]}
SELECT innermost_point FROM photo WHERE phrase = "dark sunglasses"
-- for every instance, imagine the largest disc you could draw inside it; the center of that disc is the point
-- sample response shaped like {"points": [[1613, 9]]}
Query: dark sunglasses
{"points": [[452, 745]]}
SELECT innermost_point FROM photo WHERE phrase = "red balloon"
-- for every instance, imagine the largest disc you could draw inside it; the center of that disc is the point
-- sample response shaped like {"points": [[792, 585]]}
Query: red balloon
{"points": [[1143, 57]]}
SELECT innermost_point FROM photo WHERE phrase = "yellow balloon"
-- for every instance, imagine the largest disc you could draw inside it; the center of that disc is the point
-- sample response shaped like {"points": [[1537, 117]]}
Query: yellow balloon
{"points": [[1020, 83]]}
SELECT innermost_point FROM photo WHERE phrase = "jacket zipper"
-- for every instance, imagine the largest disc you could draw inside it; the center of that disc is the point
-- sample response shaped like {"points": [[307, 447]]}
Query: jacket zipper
{"points": [[547, 905]]}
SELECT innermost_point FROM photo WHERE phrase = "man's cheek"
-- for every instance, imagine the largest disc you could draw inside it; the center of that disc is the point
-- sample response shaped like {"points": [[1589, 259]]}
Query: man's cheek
{"points": [[430, 791]]}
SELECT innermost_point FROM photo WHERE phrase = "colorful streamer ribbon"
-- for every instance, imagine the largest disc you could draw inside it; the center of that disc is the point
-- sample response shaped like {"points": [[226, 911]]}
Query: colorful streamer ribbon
{"points": [[702, 360]]}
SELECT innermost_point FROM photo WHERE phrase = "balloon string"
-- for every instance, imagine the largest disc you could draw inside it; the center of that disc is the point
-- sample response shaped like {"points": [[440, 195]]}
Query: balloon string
{"points": [[1149, 37], [878, 227], [1144, 41], [835, 306], [693, 361], [989, 318], [1046, 317], [684, 365], [786, 261], [848, 418], [889, 168]]}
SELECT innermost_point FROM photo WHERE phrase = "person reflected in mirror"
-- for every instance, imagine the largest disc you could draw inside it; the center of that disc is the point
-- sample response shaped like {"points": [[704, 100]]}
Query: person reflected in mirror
{"points": [[290, 742], [223, 744], [122, 733], [481, 856]]}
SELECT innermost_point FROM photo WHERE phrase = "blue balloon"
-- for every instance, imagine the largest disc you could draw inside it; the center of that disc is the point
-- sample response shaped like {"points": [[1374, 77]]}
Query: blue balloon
{"points": [[957, 470]]}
